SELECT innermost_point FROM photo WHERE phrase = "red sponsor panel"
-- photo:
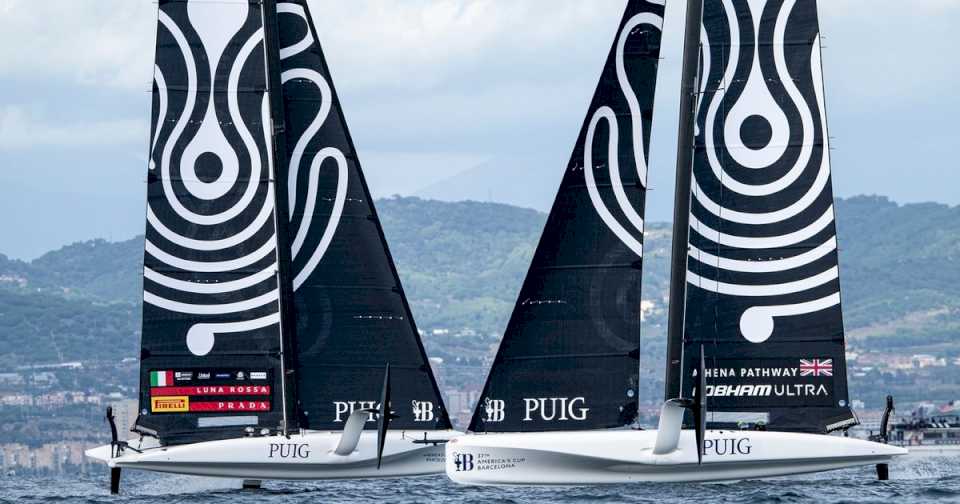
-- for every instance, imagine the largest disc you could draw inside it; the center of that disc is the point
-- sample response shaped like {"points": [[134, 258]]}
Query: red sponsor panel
{"points": [[226, 406], [212, 390]]}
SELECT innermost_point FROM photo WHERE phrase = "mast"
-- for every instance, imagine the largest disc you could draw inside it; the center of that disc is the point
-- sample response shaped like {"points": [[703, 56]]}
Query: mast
{"points": [[277, 129], [681, 209]]}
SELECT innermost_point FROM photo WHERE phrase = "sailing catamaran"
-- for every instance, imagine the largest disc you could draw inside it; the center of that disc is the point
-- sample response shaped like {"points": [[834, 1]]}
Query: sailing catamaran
{"points": [[274, 323], [755, 359]]}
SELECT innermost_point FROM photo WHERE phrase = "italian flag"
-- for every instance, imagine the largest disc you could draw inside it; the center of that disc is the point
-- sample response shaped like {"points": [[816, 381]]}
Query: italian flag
{"points": [[161, 378]]}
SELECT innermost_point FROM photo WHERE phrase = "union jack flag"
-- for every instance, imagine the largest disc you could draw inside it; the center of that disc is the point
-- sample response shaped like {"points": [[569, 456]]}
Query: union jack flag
{"points": [[816, 367]]}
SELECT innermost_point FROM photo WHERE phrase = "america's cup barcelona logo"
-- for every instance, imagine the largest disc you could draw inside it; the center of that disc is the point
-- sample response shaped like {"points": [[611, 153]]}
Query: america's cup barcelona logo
{"points": [[494, 410], [422, 411]]}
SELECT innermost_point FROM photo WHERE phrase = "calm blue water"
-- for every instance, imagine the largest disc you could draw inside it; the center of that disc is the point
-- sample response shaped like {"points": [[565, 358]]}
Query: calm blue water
{"points": [[913, 480]]}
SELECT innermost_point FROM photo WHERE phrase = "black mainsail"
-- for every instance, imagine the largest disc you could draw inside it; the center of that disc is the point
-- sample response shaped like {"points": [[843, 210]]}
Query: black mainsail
{"points": [[762, 280], [211, 335], [569, 359], [266, 304]]}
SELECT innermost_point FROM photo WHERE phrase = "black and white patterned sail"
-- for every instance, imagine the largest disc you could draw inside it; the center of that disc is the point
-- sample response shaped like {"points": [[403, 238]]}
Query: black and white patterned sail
{"points": [[351, 313], [763, 291], [238, 86], [211, 309], [569, 357]]}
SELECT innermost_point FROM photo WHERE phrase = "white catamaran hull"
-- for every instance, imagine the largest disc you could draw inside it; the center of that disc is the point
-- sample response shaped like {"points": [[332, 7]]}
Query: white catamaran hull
{"points": [[300, 457], [621, 456]]}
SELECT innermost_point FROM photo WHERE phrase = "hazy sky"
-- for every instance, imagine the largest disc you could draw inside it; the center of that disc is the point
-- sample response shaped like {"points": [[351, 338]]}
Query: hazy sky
{"points": [[435, 88]]}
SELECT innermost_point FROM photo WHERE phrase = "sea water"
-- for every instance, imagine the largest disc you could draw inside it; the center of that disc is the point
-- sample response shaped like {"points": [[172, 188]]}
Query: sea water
{"points": [[913, 479]]}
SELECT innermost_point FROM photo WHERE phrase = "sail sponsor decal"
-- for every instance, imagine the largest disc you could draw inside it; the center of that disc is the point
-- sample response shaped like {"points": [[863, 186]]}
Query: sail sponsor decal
{"points": [[538, 409], [184, 404], [171, 391], [174, 377], [161, 378], [816, 367], [420, 411], [801, 368], [768, 390], [343, 409], [807, 382], [550, 409], [169, 404], [212, 390], [494, 410], [231, 405]]}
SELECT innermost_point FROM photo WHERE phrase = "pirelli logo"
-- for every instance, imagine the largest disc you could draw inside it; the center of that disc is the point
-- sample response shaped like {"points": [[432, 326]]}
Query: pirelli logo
{"points": [[169, 404]]}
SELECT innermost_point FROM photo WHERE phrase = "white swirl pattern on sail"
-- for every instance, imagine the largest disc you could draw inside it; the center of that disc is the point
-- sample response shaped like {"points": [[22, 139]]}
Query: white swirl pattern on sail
{"points": [[761, 188], [210, 245], [629, 236], [308, 199]]}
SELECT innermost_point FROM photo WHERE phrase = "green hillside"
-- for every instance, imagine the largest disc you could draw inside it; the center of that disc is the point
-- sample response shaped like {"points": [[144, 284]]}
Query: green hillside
{"points": [[77, 303], [462, 264], [900, 268]]}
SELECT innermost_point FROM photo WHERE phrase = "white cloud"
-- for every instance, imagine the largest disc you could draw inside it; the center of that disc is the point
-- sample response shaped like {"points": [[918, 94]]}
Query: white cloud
{"points": [[425, 44], [430, 44], [888, 53], [21, 128], [446, 82], [417, 43], [108, 43]]}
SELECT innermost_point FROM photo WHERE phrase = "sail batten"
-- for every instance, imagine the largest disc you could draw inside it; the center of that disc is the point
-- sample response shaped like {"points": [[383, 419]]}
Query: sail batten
{"points": [[762, 281], [569, 358]]}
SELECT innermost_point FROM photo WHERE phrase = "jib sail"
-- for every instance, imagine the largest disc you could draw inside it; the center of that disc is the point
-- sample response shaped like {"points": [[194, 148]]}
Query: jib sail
{"points": [[762, 283], [569, 356], [352, 315]]}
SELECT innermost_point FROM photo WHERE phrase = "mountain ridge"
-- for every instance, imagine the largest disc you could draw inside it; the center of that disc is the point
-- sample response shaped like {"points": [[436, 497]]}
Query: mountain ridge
{"points": [[462, 265]]}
